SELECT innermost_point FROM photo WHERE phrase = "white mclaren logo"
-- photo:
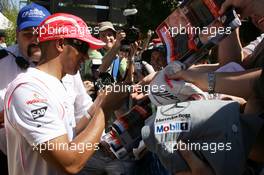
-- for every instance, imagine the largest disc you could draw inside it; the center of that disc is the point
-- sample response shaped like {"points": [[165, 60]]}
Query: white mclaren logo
{"points": [[38, 113]]}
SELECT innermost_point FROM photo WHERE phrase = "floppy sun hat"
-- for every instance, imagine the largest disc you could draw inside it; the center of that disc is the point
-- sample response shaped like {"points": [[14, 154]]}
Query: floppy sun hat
{"points": [[62, 25], [103, 26]]}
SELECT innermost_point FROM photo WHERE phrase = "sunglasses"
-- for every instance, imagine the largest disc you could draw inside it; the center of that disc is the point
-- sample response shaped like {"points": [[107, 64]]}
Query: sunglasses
{"points": [[81, 46]]}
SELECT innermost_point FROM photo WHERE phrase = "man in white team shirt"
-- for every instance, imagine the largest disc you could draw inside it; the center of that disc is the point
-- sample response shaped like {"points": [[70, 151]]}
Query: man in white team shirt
{"points": [[17, 58], [39, 122]]}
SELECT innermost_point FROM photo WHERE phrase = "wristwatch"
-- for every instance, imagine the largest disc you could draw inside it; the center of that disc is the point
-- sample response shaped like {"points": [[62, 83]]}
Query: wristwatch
{"points": [[211, 82]]}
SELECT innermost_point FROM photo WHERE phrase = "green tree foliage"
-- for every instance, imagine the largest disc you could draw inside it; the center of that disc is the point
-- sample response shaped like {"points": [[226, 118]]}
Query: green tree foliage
{"points": [[172, 4], [10, 11]]}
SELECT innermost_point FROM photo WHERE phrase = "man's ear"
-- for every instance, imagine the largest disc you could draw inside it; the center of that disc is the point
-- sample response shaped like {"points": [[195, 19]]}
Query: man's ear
{"points": [[60, 45]]}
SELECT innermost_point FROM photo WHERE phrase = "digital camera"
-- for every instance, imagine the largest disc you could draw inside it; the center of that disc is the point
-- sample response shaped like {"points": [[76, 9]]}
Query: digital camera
{"points": [[132, 33]]}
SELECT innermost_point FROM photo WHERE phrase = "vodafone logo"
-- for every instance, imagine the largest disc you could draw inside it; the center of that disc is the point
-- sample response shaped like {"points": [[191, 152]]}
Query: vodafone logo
{"points": [[36, 99], [29, 102]]}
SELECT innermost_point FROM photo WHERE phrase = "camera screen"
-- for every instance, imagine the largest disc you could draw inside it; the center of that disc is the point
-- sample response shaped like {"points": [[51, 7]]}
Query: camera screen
{"points": [[199, 14]]}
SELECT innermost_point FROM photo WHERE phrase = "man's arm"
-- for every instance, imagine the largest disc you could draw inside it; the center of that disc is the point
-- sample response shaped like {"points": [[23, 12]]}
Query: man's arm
{"points": [[73, 160], [85, 120], [108, 58], [230, 49], [49, 129], [244, 7], [129, 79], [111, 54], [111, 102], [147, 40], [238, 84], [197, 166], [205, 67], [1, 117]]}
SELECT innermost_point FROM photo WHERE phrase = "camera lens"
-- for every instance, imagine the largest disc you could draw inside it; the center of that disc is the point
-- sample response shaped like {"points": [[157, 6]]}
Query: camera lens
{"points": [[132, 35]]}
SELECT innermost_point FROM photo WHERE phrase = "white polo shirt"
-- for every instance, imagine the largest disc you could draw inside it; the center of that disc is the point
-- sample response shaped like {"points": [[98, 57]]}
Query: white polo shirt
{"points": [[37, 109], [73, 83]]}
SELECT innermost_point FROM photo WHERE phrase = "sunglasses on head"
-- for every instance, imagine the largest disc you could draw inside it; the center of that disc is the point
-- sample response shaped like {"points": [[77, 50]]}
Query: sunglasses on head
{"points": [[79, 45]]}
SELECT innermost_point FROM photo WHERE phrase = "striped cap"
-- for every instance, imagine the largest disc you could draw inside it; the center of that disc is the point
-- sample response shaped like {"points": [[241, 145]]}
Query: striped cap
{"points": [[62, 25]]}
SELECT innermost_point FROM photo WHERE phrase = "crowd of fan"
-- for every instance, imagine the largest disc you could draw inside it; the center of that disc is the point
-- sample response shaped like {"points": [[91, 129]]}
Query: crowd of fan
{"points": [[238, 76]]}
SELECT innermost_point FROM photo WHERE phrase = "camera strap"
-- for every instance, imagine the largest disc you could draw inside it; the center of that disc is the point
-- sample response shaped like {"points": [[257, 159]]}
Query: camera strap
{"points": [[20, 61]]}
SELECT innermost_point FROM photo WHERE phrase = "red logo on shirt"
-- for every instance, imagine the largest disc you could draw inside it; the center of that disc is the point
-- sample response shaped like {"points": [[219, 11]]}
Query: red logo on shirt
{"points": [[36, 99]]}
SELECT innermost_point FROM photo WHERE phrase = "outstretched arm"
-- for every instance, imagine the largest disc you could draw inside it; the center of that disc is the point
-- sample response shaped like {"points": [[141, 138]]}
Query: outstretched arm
{"points": [[230, 49], [111, 54], [238, 84]]}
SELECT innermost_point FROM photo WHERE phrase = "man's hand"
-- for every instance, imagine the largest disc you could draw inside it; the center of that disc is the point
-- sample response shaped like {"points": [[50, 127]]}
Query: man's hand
{"points": [[244, 7], [89, 87], [147, 80], [113, 96], [111, 54], [197, 166], [137, 93], [199, 79], [186, 75], [120, 35], [133, 51]]}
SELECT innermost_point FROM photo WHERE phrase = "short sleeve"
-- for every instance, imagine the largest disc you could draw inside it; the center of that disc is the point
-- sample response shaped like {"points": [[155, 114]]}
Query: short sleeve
{"points": [[2, 96], [82, 101], [35, 114]]}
